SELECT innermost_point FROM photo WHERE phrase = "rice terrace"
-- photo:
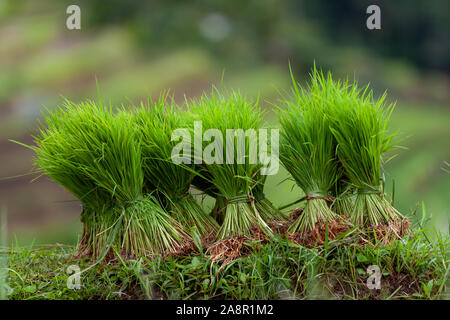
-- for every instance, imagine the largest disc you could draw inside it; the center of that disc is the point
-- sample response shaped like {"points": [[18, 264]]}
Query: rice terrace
{"points": [[222, 157]]}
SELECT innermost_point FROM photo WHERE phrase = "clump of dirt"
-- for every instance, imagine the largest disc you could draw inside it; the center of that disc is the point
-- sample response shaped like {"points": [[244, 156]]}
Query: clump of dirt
{"points": [[230, 249], [190, 246], [386, 233], [402, 284], [227, 250], [295, 214], [136, 293], [277, 228], [317, 235], [405, 283]]}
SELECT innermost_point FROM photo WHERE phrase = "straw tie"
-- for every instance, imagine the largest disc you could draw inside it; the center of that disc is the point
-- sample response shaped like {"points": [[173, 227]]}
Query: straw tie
{"points": [[369, 190], [241, 199], [318, 194]]}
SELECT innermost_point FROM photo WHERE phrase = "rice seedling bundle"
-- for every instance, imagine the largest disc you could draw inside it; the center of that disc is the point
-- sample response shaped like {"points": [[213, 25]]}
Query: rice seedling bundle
{"points": [[359, 125], [203, 183], [307, 150], [171, 180], [237, 180], [96, 155]]}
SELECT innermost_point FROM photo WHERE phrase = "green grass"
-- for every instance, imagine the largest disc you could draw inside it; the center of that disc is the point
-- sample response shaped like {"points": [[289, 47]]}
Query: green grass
{"points": [[412, 268], [43, 275]]}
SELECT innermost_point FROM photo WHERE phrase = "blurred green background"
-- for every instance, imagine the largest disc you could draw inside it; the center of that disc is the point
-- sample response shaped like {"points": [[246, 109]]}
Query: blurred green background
{"points": [[135, 49]]}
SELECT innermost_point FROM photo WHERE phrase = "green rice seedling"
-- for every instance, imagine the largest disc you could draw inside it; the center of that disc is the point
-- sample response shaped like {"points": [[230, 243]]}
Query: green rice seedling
{"points": [[172, 180], [263, 204], [360, 126], [96, 155], [308, 150], [204, 185], [237, 180], [344, 196]]}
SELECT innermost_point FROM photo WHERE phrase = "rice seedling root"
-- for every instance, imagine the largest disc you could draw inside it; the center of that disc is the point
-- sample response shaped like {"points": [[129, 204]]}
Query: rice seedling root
{"points": [[386, 233], [142, 228], [318, 234], [228, 250]]}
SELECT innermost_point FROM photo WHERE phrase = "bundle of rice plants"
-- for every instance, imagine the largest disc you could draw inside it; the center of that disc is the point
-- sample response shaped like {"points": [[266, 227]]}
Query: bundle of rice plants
{"points": [[236, 178], [172, 180], [308, 150], [360, 126], [96, 155]]}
